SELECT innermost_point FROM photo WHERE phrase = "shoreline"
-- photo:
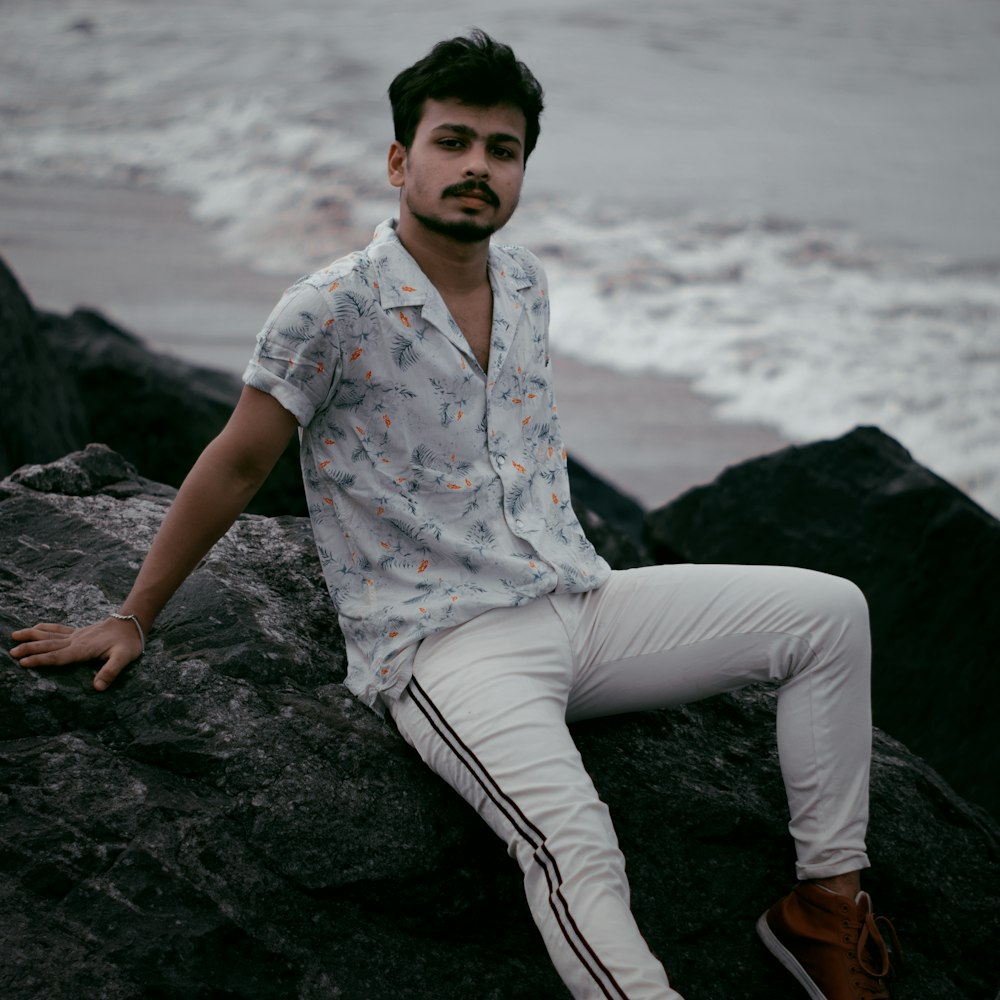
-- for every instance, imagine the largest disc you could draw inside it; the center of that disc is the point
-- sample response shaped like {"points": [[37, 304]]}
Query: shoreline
{"points": [[139, 258]]}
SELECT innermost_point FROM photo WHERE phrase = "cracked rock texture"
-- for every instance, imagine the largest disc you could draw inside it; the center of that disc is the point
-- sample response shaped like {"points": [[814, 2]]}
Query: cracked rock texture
{"points": [[227, 822]]}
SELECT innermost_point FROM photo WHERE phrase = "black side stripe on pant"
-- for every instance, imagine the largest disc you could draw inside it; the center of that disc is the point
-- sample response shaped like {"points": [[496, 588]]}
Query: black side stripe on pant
{"points": [[529, 833]]}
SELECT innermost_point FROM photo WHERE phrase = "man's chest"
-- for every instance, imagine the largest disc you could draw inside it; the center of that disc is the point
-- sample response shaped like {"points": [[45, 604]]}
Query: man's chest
{"points": [[474, 316], [409, 393]]}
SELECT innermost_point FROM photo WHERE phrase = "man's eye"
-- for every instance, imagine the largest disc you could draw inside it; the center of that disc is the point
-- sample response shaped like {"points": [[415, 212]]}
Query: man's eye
{"points": [[451, 143], [503, 152]]}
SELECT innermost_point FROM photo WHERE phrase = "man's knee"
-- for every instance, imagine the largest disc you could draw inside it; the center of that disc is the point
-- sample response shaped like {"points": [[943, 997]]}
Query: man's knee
{"points": [[842, 618], [829, 597], [849, 602]]}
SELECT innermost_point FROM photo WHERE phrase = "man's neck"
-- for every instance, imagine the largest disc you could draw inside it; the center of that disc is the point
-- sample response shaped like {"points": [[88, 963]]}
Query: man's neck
{"points": [[452, 266]]}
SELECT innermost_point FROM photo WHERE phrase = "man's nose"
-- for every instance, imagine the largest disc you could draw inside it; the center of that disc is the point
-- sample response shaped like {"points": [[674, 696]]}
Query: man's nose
{"points": [[477, 163]]}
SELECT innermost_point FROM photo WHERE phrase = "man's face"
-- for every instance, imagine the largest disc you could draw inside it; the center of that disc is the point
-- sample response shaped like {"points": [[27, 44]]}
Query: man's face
{"points": [[462, 175]]}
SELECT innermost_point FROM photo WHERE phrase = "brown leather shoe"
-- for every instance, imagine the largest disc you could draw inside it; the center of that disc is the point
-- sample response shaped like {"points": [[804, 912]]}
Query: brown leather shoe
{"points": [[831, 944]]}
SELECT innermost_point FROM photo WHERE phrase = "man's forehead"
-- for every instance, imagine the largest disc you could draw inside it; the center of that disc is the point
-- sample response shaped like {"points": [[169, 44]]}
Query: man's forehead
{"points": [[488, 119]]}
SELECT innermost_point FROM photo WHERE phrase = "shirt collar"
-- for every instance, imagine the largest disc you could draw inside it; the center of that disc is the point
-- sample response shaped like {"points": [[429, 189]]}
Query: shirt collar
{"points": [[401, 282]]}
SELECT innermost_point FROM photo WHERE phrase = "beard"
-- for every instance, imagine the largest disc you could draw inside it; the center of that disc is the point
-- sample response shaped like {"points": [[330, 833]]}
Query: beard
{"points": [[461, 230]]}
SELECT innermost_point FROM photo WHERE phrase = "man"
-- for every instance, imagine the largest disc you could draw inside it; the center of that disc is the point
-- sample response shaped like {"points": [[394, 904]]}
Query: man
{"points": [[473, 607]]}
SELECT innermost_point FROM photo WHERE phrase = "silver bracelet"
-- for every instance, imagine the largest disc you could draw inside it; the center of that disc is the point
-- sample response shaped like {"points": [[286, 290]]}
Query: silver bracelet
{"points": [[135, 621]]}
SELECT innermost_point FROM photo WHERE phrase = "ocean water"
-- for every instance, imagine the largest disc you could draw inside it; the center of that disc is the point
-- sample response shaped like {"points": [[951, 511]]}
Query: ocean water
{"points": [[794, 203]]}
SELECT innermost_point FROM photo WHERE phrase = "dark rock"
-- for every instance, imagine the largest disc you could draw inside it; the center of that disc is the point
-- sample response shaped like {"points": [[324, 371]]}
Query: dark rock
{"points": [[926, 556], [613, 506], [617, 547], [612, 521], [67, 381], [227, 821], [97, 469], [41, 415]]}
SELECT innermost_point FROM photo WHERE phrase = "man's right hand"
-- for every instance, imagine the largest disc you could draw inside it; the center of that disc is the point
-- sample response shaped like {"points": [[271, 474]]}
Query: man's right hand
{"points": [[116, 643]]}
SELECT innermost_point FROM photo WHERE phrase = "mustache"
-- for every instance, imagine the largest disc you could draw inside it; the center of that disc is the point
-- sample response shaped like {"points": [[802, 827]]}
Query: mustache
{"points": [[472, 187]]}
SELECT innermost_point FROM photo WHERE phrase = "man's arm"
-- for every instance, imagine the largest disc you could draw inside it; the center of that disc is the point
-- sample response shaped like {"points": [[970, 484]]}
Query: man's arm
{"points": [[216, 490]]}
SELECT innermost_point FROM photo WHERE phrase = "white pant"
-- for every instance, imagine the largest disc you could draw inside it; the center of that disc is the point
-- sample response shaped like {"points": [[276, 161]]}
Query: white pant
{"points": [[489, 701]]}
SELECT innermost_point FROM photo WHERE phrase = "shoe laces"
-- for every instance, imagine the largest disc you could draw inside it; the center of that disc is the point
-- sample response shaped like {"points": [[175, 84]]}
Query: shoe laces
{"points": [[874, 958]]}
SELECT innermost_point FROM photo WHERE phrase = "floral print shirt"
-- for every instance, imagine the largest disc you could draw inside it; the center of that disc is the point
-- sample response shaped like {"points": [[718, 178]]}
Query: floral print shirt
{"points": [[437, 491]]}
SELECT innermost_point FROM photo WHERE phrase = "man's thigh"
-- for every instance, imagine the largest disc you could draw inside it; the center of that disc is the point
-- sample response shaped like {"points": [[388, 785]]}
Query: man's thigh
{"points": [[486, 710], [666, 635]]}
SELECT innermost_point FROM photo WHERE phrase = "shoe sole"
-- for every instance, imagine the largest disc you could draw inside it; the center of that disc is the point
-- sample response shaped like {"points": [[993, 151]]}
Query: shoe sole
{"points": [[787, 959]]}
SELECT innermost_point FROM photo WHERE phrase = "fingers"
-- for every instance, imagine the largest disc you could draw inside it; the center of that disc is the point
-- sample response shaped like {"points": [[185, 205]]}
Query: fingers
{"points": [[51, 645], [42, 646], [42, 630], [107, 674], [38, 641]]}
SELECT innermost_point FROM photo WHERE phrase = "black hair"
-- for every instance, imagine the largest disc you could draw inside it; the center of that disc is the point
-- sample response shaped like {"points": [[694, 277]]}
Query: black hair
{"points": [[475, 70]]}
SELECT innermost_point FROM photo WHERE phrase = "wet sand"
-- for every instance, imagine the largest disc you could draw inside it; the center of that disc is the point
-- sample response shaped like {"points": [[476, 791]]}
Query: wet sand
{"points": [[140, 258]]}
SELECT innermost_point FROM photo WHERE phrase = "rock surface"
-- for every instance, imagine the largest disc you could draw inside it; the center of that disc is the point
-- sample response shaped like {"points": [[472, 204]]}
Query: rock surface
{"points": [[227, 822], [926, 556], [41, 415]]}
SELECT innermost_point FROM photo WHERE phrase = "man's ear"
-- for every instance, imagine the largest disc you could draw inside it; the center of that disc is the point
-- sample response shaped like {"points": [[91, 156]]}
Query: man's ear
{"points": [[396, 164]]}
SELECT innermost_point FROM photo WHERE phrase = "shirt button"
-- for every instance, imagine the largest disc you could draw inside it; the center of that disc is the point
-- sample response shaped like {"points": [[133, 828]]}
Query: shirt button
{"points": [[519, 523], [500, 460]]}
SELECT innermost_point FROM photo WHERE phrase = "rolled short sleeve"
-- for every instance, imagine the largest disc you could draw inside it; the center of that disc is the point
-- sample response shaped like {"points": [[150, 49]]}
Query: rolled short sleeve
{"points": [[297, 356]]}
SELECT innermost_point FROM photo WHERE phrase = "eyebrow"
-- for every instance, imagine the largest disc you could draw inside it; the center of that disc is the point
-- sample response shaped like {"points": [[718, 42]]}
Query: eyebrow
{"points": [[471, 133]]}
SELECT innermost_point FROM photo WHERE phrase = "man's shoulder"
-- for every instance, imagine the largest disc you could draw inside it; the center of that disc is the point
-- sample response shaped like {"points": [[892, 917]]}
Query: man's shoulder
{"points": [[355, 270], [344, 288], [359, 272], [519, 264]]}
